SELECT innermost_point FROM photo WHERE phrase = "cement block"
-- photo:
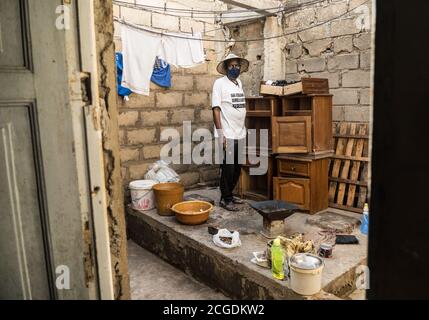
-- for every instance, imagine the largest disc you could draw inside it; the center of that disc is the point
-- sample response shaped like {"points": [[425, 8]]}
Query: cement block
{"points": [[356, 113], [152, 152], [205, 83], [153, 118], [312, 65], [140, 136], [169, 99], [129, 154], [345, 96], [365, 59], [315, 48], [199, 69], [344, 61], [136, 16], [179, 82], [128, 118], [343, 44], [362, 41], [187, 25], [338, 113], [178, 116], [293, 50], [196, 99], [344, 27], [291, 66], [139, 101], [331, 11], [316, 33], [365, 96], [166, 22], [356, 79]]}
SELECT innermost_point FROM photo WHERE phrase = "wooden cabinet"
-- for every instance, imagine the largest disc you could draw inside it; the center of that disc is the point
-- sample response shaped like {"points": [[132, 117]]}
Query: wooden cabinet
{"points": [[257, 187], [305, 125], [302, 180], [260, 111]]}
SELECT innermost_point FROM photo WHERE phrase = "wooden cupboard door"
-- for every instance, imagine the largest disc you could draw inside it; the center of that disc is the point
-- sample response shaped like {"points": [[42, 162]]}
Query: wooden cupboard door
{"points": [[293, 190], [291, 134]]}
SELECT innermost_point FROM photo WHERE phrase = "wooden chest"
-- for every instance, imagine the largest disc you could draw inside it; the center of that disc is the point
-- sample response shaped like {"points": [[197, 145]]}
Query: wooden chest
{"points": [[302, 180]]}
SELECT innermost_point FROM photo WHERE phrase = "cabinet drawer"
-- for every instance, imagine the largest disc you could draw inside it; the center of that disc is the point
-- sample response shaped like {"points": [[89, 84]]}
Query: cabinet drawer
{"points": [[293, 190], [292, 167]]}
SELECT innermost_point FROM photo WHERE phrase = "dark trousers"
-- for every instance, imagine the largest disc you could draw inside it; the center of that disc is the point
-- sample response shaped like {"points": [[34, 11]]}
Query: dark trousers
{"points": [[230, 172]]}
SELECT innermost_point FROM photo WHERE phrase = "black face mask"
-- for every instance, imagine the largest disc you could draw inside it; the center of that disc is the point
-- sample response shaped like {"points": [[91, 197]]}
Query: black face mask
{"points": [[233, 73]]}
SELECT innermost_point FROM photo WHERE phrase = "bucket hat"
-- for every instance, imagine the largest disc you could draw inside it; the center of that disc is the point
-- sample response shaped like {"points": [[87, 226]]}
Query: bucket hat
{"points": [[244, 63]]}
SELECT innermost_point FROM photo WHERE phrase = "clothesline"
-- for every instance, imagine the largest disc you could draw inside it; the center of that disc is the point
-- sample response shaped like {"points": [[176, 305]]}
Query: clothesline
{"points": [[216, 14], [245, 40]]}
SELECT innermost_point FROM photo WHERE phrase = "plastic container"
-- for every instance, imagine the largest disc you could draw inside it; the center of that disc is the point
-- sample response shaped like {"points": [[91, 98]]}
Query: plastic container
{"points": [[306, 273], [167, 195], [277, 260], [142, 195], [192, 212], [365, 220]]}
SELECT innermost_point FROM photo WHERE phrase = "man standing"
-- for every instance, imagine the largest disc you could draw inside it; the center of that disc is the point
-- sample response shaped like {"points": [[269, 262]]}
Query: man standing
{"points": [[229, 115]]}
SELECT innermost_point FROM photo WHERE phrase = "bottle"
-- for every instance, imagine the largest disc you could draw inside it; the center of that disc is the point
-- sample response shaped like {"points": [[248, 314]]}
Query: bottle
{"points": [[277, 260], [365, 220]]}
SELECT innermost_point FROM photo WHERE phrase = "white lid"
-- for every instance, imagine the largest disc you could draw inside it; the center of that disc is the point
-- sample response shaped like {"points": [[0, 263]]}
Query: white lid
{"points": [[142, 184]]}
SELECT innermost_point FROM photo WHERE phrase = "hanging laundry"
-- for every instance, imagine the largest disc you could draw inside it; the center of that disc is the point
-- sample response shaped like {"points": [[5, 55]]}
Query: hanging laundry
{"points": [[180, 52], [123, 92], [161, 73], [141, 47]]}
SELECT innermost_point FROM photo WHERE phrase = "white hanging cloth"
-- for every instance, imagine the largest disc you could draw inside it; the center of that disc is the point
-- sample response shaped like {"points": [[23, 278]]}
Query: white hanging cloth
{"points": [[140, 49]]}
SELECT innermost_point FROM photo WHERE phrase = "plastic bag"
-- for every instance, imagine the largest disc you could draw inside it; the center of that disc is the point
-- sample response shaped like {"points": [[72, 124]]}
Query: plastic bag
{"points": [[161, 172], [224, 233]]}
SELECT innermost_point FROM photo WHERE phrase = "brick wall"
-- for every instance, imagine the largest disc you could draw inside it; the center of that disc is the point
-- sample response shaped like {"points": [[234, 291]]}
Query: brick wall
{"points": [[338, 50], [142, 118]]}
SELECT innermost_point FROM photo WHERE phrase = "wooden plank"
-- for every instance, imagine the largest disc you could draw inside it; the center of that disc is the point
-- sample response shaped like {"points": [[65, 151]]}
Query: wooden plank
{"points": [[352, 158], [337, 163], [348, 181], [346, 165], [356, 136], [363, 190], [354, 174]]}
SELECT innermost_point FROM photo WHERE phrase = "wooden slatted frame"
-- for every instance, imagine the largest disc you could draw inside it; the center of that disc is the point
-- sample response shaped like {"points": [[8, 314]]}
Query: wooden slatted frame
{"points": [[348, 168]]}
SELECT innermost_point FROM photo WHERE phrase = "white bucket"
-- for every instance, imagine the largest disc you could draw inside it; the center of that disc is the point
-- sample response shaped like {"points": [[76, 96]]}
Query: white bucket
{"points": [[306, 282], [142, 195]]}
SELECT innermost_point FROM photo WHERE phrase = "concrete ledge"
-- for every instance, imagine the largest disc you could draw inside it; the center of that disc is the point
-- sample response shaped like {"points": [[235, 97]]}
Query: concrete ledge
{"points": [[190, 248]]}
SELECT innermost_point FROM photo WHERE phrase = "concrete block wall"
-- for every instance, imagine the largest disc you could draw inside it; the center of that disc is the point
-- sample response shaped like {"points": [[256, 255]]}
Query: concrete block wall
{"points": [[339, 50], [142, 118]]}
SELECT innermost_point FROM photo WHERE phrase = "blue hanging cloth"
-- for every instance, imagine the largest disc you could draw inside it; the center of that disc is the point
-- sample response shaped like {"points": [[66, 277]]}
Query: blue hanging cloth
{"points": [[161, 73], [122, 91]]}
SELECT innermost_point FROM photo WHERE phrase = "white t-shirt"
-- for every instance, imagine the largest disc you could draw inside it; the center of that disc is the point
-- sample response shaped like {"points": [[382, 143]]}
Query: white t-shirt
{"points": [[230, 98]]}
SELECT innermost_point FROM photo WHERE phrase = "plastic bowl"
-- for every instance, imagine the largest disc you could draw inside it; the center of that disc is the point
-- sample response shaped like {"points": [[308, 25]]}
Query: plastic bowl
{"points": [[192, 212]]}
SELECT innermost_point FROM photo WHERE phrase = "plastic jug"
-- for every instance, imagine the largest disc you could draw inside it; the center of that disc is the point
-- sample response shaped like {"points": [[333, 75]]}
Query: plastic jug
{"points": [[277, 260], [365, 220]]}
